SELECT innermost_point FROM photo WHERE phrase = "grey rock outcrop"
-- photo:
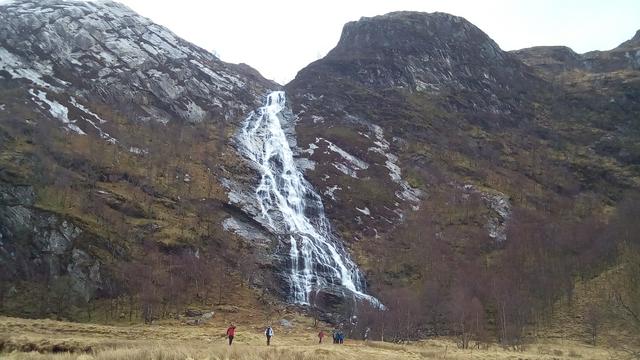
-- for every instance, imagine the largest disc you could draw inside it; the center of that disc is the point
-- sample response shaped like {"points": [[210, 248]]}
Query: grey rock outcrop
{"points": [[36, 244], [103, 52]]}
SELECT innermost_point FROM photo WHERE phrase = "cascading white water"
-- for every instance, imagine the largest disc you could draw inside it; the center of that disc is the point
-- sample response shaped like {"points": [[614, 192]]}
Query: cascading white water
{"points": [[293, 210]]}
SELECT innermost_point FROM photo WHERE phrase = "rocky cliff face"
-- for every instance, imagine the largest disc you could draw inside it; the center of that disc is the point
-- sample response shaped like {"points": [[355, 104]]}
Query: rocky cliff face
{"points": [[425, 53], [80, 83], [105, 52], [36, 243]]}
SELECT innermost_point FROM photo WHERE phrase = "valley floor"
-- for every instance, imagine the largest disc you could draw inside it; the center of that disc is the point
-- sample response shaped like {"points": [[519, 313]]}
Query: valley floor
{"points": [[47, 339]]}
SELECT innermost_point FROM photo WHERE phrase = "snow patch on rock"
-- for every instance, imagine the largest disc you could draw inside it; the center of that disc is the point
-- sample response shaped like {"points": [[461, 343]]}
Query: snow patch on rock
{"points": [[345, 170], [352, 160], [20, 70], [138, 151], [102, 133], [312, 147], [352, 164], [56, 110], [406, 192], [331, 191], [86, 110]]}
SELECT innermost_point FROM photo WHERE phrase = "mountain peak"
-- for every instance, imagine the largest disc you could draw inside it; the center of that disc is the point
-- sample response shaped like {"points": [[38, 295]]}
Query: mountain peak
{"points": [[425, 53], [631, 43], [409, 33]]}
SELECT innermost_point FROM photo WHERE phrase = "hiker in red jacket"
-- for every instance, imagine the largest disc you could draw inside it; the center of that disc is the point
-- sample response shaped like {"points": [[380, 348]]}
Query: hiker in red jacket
{"points": [[231, 332], [320, 336]]}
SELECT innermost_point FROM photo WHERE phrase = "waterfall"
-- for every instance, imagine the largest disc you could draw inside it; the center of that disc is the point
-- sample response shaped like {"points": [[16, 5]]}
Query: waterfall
{"points": [[294, 211]]}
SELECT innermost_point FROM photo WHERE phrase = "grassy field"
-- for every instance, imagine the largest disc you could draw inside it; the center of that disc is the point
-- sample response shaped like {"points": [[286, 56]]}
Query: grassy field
{"points": [[47, 339]]}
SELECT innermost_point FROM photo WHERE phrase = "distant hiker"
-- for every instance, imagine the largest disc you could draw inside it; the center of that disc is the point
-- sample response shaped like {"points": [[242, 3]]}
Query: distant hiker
{"points": [[334, 335], [268, 332], [340, 337], [320, 336], [231, 332], [366, 333]]}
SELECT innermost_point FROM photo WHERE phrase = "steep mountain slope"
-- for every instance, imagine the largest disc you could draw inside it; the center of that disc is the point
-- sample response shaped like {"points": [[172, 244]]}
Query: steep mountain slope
{"points": [[607, 83], [107, 50], [420, 131], [112, 133]]}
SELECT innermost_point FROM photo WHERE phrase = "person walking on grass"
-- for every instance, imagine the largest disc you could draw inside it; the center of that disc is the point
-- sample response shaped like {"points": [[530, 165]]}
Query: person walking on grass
{"points": [[320, 336], [231, 333], [268, 332]]}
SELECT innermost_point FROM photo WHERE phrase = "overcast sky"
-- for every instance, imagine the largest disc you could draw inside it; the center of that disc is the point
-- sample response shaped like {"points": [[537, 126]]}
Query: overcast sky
{"points": [[280, 37]]}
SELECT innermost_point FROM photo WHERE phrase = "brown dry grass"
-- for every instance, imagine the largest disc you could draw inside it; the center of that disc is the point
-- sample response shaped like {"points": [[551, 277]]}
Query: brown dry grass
{"points": [[55, 340]]}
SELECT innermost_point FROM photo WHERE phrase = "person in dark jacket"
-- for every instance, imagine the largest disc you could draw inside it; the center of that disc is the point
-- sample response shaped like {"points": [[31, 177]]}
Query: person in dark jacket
{"points": [[268, 332], [231, 333]]}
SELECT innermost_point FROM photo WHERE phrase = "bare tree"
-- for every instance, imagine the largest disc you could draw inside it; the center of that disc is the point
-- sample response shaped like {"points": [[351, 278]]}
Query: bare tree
{"points": [[61, 296], [593, 318]]}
